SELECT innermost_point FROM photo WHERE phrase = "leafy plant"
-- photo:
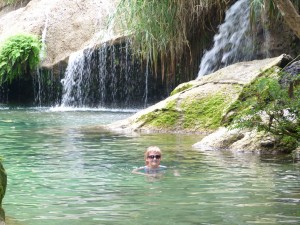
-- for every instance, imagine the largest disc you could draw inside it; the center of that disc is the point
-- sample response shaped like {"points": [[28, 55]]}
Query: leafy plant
{"points": [[269, 8], [12, 2], [19, 55], [163, 29], [259, 7], [269, 107]]}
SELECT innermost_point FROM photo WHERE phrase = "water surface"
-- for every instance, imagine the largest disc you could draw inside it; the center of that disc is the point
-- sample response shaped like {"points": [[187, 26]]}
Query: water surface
{"points": [[62, 170]]}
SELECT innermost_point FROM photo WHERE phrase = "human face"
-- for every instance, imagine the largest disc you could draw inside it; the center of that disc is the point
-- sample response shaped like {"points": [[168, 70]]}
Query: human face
{"points": [[153, 159]]}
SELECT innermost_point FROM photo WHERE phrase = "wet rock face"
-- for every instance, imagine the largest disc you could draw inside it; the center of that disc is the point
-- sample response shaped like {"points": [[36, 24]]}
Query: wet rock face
{"points": [[6, 7], [293, 69], [291, 77], [66, 26], [3, 183]]}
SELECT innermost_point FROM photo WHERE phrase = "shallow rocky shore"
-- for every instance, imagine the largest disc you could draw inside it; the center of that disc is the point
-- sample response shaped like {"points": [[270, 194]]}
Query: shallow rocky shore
{"points": [[176, 115]]}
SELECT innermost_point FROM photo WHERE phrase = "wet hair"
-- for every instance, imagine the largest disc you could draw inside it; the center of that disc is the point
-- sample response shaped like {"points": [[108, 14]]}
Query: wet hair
{"points": [[151, 149]]}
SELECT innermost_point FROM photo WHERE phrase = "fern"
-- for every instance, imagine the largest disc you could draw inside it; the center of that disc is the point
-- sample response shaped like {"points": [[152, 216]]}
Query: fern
{"points": [[19, 55]]}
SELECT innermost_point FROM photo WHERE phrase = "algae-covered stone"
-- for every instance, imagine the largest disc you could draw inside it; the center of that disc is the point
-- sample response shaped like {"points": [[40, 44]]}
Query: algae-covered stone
{"points": [[3, 183], [197, 106], [181, 87]]}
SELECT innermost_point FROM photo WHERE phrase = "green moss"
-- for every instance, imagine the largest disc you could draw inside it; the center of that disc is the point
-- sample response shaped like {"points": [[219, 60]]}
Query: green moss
{"points": [[247, 97], [165, 118], [3, 182], [205, 112], [182, 88]]}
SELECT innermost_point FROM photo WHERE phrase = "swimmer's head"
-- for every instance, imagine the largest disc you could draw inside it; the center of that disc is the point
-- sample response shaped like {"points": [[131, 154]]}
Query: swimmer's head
{"points": [[153, 156]]}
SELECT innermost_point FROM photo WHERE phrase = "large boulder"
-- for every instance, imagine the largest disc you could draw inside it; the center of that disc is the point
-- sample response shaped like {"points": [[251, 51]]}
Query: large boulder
{"points": [[198, 106], [244, 141], [201, 106], [66, 26]]}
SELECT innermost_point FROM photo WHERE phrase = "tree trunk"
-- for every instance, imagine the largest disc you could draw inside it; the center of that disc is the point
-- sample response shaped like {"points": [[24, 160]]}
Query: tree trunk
{"points": [[290, 15]]}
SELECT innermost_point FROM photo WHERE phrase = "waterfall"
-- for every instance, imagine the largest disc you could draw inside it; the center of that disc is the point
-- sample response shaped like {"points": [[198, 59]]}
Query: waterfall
{"points": [[146, 85], [232, 43], [44, 35], [38, 94], [44, 32], [107, 76], [44, 82], [76, 80]]}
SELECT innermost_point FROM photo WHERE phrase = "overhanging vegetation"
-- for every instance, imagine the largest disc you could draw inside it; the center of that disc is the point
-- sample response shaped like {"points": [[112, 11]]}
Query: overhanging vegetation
{"points": [[19, 55], [164, 30]]}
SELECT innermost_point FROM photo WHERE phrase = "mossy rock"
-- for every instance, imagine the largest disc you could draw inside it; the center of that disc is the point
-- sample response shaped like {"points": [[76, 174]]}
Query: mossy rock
{"points": [[206, 112], [199, 106], [181, 87], [3, 183], [200, 112], [164, 118]]}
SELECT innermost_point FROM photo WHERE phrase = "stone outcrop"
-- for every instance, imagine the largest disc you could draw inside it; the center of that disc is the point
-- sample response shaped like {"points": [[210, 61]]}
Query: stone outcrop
{"points": [[200, 105], [189, 110], [67, 25], [244, 141]]}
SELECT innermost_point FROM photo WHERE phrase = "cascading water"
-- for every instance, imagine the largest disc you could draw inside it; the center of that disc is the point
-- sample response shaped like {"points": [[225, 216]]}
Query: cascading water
{"points": [[233, 42], [44, 82], [107, 77], [44, 35], [76, 79], [38, 95]]}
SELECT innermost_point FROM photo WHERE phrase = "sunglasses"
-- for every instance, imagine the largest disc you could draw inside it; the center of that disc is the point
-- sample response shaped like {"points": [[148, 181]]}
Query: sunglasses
{"points": [[153, 156]]}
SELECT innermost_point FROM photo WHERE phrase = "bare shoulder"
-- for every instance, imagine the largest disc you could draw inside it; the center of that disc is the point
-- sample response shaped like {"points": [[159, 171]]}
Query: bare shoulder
{"points": [[138, 170]]}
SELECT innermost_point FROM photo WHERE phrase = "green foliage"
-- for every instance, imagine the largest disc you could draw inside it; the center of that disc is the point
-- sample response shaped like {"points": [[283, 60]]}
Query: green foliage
{"points": [[19, 55], [3, 183], [259, 7], [267, 106], [268, 7], [11, 2], [162, 29]]}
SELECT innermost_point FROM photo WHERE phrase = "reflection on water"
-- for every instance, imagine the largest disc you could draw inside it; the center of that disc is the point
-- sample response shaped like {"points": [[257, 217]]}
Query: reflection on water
{"points": [[61, 171]]}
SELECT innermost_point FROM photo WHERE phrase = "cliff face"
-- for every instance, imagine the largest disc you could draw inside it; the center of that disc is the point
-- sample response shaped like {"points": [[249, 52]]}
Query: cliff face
{"points": [[68, 26], [65, 25]]}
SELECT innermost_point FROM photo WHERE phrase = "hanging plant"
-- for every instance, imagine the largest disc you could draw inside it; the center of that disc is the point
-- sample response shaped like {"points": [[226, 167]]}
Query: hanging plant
{"points": [[161, 31], [19, 55]]}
